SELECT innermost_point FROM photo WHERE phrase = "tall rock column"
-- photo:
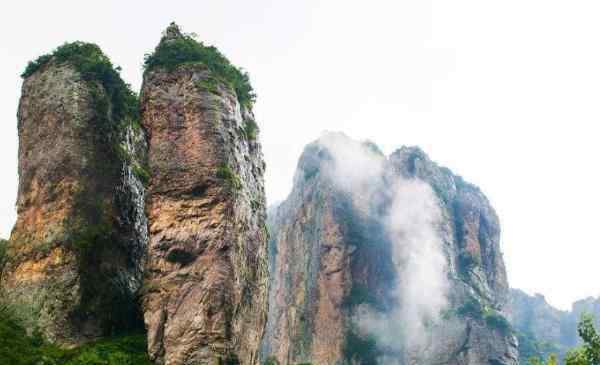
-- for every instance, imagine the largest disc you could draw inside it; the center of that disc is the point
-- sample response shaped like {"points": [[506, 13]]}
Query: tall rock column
{"points": [[206, 285], [75, 256]]}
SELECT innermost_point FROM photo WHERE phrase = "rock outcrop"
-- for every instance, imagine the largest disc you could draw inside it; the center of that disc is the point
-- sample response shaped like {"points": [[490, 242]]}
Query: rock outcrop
{"points": [[384, 260], [75, 257], [205, 294]]}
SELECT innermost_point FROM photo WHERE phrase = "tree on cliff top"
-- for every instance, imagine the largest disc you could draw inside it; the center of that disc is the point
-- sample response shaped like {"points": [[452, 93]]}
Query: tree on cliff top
{"points": [[177, 48], [93, 65]]}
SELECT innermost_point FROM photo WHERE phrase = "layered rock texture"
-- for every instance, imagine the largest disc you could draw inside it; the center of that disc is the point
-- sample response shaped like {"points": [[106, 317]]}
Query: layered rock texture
{"points": [[384, 260], [205, 294], [75, 256]]}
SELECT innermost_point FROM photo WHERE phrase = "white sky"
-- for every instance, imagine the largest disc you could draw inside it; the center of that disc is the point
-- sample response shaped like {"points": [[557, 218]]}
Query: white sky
{"points": [[505, 93]]}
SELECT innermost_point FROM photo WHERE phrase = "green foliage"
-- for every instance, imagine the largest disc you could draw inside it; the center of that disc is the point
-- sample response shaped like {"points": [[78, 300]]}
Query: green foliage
{"points": [[530, 347], [577, 356], [141, 173], [589, 352], [226, 173], [209, 84], [16, 348], [552, 360], [35, 65], [184, 49], [470, 308], [495, 319], [271, 360], [94, 66], [250, 129], [231, 360], [124, 350]]}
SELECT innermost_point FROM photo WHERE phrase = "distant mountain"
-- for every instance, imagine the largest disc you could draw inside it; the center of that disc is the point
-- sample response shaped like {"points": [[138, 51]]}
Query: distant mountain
{"points": [[542, 329]]}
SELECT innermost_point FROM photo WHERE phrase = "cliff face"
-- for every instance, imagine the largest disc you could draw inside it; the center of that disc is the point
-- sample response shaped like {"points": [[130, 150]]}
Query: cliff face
{"points": [[206, 282], [75, 256], [384, 260]]}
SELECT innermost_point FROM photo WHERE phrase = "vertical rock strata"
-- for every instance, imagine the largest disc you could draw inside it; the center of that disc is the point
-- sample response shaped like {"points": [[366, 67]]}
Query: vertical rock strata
{"points": [[205, 292], [339, 295], [75, 256]]}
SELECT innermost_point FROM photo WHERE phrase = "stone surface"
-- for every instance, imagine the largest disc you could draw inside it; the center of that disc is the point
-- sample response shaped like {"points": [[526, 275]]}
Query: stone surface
{"points": [[331, 263], [205, 293], [75, 257]]}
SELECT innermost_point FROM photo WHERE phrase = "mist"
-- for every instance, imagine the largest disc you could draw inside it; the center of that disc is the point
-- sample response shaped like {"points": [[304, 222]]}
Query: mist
{"points": [[412, 223]]}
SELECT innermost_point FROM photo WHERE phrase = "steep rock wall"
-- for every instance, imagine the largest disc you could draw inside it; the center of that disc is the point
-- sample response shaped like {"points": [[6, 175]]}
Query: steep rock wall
{"points": [[342, 279], [206, 285], [75, 256]]}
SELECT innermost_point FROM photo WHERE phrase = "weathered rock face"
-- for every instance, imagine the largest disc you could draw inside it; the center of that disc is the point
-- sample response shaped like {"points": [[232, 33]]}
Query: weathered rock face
{"points": [[205, 298], [384, 260], [75, 256]]}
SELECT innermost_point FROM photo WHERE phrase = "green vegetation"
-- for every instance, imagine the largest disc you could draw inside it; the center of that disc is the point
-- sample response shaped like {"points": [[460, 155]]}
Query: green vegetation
{"points": [[530, 348], [185, 49], [94, 66], [16, 348], [141, 173], [250, 129], [472, 308], [226, 173], [271, 360], [231, 360], [209, 84], [589, 352], [552, 360], [495, 319]]}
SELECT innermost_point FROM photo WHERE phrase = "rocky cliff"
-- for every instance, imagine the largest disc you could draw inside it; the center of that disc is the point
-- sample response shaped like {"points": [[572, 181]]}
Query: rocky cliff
{"points": [[75, 257], [390, 260], [206, 282]]}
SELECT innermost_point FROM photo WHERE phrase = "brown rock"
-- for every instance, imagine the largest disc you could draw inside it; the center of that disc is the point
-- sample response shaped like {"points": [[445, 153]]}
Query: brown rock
{"points": [[338, 291], [206, 284], [75, 254]]}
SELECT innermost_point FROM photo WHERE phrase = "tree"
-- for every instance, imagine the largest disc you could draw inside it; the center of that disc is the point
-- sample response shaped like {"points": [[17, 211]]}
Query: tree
{"points": [[552, 360], [589, 352]]}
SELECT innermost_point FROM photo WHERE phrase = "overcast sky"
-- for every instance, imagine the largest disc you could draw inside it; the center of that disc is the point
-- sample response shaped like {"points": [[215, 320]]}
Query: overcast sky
{"points": [[505, 93]]}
